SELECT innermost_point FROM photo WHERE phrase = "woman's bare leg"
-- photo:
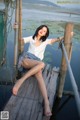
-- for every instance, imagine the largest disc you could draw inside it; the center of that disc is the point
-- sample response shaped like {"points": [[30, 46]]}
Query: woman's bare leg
{"points": [[43, 90], [35, 67]]}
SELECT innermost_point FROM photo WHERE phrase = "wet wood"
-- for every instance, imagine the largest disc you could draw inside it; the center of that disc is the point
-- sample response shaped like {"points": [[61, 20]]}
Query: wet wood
{"points": [[68, 47], [28, 104]]}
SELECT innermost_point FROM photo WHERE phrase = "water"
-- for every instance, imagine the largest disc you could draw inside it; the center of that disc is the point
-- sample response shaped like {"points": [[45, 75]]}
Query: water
{"points": [[48, 13], [32, 18]]}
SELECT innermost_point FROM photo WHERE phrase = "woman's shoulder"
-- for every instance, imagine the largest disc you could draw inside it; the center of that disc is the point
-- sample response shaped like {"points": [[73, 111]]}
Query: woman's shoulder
{"points": [[27, 39]]}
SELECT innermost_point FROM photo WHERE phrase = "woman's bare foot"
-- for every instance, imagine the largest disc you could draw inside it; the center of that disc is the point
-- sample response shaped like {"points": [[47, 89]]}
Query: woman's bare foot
{"points": [[47, 110], [16, 87]]}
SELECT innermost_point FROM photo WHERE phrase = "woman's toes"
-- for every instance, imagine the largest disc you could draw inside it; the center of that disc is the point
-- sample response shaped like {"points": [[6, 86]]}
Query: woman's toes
{"points": [[14, 91], [48, 114], [47, 111]]}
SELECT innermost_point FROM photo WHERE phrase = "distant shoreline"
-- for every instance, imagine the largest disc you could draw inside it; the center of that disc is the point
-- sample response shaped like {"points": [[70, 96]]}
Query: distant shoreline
{"points": [[54, 8], [49, 13]]}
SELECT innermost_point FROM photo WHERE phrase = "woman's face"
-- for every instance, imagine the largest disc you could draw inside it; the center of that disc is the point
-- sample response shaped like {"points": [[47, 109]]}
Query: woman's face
{"points": [[42, 32]]}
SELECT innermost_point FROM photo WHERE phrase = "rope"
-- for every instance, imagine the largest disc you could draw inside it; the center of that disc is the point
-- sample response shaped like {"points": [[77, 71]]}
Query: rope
{"points": [[7, 25], [8, 13]]}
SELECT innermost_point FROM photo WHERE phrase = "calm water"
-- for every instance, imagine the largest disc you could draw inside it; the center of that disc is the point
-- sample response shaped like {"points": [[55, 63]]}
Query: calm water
{"points": [[32, 18]]}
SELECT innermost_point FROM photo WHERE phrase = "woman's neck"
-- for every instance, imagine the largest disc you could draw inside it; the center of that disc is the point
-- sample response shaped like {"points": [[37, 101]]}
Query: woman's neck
{"points": [[38, 37]]}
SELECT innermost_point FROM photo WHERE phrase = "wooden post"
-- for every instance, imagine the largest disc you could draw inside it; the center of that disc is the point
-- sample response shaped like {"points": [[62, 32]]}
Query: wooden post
{"points": [[5, 29], [16, 34], [68, 47], [20, 42]]}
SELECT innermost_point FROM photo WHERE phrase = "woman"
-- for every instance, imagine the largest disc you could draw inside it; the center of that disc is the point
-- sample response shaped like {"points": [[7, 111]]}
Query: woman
{"points": [[32, 60]]}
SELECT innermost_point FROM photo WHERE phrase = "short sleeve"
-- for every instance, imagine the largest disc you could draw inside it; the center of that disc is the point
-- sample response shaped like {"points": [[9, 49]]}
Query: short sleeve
{"points": [[27, 39], [48, 41]]}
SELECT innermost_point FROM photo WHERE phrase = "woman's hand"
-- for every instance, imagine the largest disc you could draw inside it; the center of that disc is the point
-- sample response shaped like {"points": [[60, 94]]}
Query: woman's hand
{"points": [[61, 38], [72, 33], [15, 25]]}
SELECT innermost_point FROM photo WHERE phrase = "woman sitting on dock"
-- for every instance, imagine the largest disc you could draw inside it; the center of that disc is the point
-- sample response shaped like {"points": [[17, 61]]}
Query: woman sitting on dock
{"points": [[32, 60]]}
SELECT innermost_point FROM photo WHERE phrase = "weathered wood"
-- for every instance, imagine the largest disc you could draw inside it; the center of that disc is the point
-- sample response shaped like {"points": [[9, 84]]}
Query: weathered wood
{"points": [[20, 41], [52, 87], [16, 34], [68, 47], [28, 104]]}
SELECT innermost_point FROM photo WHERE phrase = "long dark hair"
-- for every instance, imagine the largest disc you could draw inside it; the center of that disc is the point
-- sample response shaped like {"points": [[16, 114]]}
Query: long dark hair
{"points": [[43, 38]]}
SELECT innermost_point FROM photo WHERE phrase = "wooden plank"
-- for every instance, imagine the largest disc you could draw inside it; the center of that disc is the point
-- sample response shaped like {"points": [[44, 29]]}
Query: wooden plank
{"points": [[40, 115], [28, 104], [46, 76], [15, 103], [18, 107], [31, 95], [25, 110], [35, 111], [29, 91], [51, 87], [13, 111], [37, 107]]}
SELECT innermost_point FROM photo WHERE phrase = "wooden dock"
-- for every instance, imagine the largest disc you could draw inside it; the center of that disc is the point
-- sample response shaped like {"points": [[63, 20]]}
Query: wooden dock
{"points": [[28, 104]]}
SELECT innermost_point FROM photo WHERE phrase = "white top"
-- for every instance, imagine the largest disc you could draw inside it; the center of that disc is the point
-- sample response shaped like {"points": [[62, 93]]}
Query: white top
{"points": [[36, 50]]}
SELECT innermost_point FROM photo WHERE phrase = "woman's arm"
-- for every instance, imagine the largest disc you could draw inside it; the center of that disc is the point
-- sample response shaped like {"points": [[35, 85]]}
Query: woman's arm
{"points": [[58, 39], [51, 41], [27, 39]]}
